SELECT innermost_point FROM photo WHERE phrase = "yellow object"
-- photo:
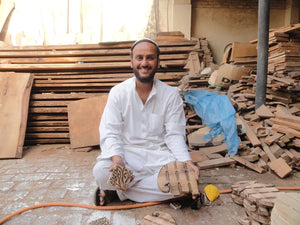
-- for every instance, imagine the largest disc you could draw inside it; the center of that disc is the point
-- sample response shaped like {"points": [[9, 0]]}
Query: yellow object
{"points": [[211, 192]]}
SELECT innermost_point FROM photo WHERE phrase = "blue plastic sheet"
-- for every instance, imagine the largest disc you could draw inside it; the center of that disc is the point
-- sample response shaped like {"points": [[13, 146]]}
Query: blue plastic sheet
{"points": [[217, 112]]}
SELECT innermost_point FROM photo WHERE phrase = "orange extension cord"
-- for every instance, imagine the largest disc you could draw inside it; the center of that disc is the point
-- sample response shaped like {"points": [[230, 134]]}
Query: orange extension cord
{"points": [[133, 206]]}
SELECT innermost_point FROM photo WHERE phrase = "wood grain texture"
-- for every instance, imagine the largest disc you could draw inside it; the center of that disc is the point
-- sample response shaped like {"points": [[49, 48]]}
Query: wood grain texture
{"points": [[84, 118], [14, 101]]}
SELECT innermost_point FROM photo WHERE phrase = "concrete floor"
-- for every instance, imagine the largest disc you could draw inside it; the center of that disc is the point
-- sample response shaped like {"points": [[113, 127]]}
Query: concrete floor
{"points": [[55, 173]]}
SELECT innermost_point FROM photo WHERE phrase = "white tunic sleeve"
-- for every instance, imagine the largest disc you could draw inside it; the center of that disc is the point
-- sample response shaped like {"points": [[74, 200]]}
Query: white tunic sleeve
{"points": [[111, 127], [175, 128]]}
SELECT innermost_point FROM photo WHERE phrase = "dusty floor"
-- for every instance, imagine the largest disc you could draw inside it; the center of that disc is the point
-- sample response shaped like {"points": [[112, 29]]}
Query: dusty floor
{"points": [[55, 173]]}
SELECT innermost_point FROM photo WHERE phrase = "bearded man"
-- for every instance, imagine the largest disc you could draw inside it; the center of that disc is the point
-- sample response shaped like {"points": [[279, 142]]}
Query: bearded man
{"points": [[142, 128]]}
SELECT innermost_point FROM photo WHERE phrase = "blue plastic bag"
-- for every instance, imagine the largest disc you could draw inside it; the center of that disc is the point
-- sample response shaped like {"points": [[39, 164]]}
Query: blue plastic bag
{"points": [[217, 112]]}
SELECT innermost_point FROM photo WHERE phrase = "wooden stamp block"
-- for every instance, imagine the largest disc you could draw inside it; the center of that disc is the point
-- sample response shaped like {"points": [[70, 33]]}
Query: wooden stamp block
{"points": [[158, 218], [120, 177], [178, 178]]}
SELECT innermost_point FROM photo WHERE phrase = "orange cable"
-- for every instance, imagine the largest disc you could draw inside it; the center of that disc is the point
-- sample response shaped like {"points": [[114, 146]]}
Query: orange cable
{"points": [[132, 206]]}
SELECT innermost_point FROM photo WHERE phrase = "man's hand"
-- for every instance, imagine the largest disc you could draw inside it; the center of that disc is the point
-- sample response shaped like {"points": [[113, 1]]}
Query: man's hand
{"points": [[116, 160]]}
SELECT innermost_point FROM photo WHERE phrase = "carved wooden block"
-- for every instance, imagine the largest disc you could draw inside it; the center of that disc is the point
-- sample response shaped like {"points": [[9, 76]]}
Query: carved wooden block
{"points": [[158, 218], [177, 177], [120, 177]]}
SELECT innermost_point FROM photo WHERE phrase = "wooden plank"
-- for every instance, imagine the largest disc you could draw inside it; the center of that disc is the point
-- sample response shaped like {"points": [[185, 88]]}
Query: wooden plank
{"points": [[248, 164], [250, 134], [215, 163], [71, 59], [214, 149], [114, 74], [47, 135], [14, 101], [73, 96], [33, 117], [272, 138], [48, 110], [85, 84], [84, 119], [198, 156], [48, 123], [286, 130], [96, 79], [268, 151], [88, 52], [62, 66], [47, 141], [47, 129], [280, 167], [264, 112], [49, 103], [101, 45], [286, 209], [285, 123], [196, 138]]}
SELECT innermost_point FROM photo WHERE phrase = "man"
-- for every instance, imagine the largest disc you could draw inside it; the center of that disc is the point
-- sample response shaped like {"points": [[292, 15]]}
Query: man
{"points": [[142, 128]]}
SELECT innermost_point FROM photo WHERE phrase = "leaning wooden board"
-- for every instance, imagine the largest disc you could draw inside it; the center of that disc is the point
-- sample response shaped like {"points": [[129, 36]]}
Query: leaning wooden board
{"points": [[14, 102], [84, 119]]}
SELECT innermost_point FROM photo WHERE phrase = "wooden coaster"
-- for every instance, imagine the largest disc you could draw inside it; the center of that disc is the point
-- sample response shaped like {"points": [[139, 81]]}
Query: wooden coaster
{"points": [[120, 177], [177, 177], [158, 218]]}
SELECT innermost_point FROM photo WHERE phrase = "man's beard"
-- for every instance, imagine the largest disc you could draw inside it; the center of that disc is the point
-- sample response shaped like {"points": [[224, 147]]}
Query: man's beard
{"points": [[144, 79]]}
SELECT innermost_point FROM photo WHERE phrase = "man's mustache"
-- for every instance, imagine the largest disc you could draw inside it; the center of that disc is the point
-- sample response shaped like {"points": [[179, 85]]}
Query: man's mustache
{"points": [[144, 67]]}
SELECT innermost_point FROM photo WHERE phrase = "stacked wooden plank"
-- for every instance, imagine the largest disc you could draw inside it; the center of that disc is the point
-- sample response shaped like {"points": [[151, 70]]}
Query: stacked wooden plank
{"points": [[199, 65], [284, 46], [258, 200], [66, 73]]}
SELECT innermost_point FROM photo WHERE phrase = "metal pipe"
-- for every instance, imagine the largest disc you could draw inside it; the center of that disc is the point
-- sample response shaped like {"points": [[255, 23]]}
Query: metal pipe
{"points": [[262, 52]]}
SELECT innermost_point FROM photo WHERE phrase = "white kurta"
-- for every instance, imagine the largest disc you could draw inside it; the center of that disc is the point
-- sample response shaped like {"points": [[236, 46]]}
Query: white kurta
{"points": [[148, 135]]}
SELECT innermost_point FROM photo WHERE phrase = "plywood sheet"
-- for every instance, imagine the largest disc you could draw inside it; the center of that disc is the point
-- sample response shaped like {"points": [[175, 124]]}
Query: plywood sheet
{"points": [[84, 119], [14, 101]]}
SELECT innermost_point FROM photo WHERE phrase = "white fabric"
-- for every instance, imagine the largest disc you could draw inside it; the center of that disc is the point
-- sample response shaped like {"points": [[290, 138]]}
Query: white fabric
{"points": [[140, 190], [148, 135]]}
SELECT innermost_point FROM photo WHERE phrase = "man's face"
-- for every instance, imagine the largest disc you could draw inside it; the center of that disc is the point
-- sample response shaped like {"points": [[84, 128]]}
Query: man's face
{"points": [[144, 61]]}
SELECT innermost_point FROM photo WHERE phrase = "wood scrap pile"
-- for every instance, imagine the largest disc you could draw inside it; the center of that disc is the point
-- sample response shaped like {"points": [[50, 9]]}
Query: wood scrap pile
{"points": [[258, 200], [270, 135], [66, 73], [199, 65]]}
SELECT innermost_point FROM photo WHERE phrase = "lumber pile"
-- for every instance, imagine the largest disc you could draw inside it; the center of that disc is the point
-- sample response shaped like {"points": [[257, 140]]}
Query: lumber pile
{"points": [[66, 73], [199, 65], [269, 138], [258, 200], [270, 134], [284, 48], [272, 131]]}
